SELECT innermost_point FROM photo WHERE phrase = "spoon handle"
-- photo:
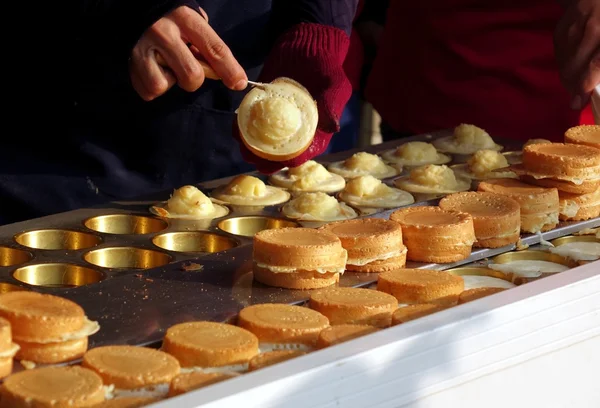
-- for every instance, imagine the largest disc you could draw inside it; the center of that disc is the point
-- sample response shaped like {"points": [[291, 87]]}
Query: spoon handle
{"points": [[596, 104]]}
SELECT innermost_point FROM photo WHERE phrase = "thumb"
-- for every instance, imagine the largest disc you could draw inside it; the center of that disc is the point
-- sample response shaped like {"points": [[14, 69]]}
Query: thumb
{"points": [[328, 120]]}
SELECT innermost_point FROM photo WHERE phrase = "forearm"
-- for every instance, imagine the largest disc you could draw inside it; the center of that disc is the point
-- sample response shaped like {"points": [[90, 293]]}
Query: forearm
{"points": [[332, 13]]}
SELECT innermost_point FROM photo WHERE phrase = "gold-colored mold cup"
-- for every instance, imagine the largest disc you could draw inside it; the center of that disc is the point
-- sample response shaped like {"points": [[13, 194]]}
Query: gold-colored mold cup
{"points": [[57, 275], [127, 258], [249, 226], [574, 238], [57, 239], [531, 255], [196, 242], [125, 224], [11, 256]]}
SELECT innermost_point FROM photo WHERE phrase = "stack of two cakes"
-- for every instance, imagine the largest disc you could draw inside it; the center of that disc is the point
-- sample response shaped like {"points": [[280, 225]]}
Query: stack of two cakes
{"points": [[302, 258], [572, 169]]}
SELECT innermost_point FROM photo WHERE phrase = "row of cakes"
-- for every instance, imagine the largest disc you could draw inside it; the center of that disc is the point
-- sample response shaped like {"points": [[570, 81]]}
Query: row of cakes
{"points": [[199, 353], [356, 181], [50, 330]]}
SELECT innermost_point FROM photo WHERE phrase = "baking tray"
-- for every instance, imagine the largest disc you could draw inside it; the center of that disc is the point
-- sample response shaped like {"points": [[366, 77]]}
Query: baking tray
{"points": [[129, 273]]}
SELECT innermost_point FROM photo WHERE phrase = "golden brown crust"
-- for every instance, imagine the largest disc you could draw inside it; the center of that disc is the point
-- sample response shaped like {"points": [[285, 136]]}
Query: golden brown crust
{"points": [[338, 334], [301, 248], [276, 158], [5, 335], [435, 235], [588, 135], [588, 186], [477, 293], [416, 286], [34, 316], [562, 160], [6, 367], [589, 205], [532, 199], [367, 237], [496, 218], [192, 381], [209, 344], [270, 358], [302, 280], [354, 306], [52, 353], [389, 264], [282, 323], [412, 312], [49, 387], [500, 242], [131, 367], [539, 206]]}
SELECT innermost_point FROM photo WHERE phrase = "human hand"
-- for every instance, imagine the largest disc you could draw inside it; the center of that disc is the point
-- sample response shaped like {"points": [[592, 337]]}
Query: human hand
{"points": [[313, 55], [577, 48], [162, 57]]}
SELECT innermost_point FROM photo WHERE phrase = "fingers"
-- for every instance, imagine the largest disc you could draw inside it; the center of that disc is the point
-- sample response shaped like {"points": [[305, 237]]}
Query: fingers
{"points": [[591, 78], [197, 31], [577, 44], [148, 78], [187, 69]]}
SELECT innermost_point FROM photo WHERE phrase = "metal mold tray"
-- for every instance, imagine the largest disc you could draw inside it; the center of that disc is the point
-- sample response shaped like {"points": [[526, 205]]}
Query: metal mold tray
{"points": [[138, 274]]}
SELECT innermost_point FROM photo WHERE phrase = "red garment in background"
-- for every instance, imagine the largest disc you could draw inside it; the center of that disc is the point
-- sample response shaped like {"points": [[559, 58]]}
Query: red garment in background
{"points": [[355, 58], [488, 63]]}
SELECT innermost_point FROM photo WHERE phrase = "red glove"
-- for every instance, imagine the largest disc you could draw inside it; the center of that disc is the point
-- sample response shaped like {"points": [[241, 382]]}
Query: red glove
{"points": [[313, 55]]}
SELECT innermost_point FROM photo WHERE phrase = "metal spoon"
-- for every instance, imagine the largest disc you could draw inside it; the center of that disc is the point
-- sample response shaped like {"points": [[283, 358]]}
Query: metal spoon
{"points": [[208, 71]]}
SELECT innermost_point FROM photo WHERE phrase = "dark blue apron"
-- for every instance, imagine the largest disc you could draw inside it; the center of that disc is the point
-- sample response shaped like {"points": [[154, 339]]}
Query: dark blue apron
{"points": [[118, 147]]}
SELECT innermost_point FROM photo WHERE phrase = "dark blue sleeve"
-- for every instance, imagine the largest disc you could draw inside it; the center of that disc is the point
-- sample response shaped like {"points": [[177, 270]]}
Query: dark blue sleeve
{"points": [[334, 13]]}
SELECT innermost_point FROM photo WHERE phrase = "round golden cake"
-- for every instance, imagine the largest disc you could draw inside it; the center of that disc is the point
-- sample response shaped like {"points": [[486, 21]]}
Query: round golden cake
{"points": [[52, 353], [197, 379], [373, 244], [338, 334], [34, 317], [477, 293], [435, 235], [50, 387], [562, 160], [412, 312], [210, 344], [496, 218], [131, 367], [299, 279], [270, 358], [354, 306], [588, 135], [299, 248], [538, 205], [417, 286], [298, 258], [275, 323]]}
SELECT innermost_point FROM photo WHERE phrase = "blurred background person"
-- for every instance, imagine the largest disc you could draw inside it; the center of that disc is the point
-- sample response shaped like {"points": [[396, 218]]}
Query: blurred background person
{"points": [[135, 124], [494, 64]]}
